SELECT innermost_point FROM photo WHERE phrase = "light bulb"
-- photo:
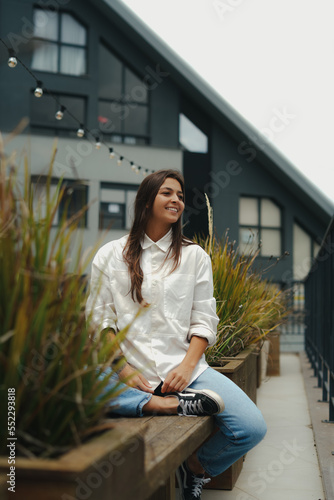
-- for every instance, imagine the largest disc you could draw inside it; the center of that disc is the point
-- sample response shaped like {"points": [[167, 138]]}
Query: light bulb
{"points": [[97, 143], [38, 90], [12, 61], [137, 170], [111, 153], [119, 161], [80, 131], [60, 113], [133, 166]]}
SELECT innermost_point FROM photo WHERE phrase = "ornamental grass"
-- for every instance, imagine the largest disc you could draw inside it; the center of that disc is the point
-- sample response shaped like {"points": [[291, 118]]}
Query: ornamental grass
{"points": [[49, 358], [248, 306]]}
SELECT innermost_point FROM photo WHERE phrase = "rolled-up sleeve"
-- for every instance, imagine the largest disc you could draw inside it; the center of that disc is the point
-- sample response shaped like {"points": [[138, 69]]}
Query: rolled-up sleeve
{"points": [[100, 309], [204, 320]]}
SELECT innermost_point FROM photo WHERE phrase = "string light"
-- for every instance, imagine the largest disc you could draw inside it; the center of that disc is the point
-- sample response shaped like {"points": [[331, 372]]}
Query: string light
{"points": [[60, 113], [12, 61], [38, 90], [80, 131]]}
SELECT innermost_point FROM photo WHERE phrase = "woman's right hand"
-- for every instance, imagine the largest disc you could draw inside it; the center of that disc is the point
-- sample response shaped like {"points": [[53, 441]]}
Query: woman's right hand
{"points": [[129, 376]]}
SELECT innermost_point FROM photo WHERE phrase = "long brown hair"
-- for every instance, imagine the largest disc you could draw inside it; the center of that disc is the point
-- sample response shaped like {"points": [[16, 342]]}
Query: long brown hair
{"points": [[146, 194]]}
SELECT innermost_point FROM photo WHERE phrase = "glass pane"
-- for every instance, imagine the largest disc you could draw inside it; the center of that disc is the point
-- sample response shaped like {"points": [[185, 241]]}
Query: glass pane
{"points": [[45, 57], [316, 248], [40, 200], [109, 117], [72, 61], [72, 31], [271, 242], [248, 211], [74, 199], [76, 105], [191, 137], [43, 110], [129, 139], [112, 216], [301, 252], [136, 120], [270, 214], [248, 240], [46, 24], [110, 75], [135, 90], [130, 204], [112, 195]]}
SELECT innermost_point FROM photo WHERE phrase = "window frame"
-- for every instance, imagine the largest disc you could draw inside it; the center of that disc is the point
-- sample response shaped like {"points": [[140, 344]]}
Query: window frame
{"points": [[57, 126], [126, 103], [259, 227], [120, 187], [59, 44], [42, 180]]}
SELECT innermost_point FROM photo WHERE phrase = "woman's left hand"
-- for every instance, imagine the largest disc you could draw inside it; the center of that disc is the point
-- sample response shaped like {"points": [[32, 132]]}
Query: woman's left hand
{"points": [[177, 379]]}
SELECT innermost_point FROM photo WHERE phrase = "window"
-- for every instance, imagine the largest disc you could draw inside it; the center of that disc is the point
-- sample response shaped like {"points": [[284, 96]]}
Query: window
{"points": [[260, 222], [116, 205], [305, 249], [123, 101], [43, 112], [75, 198], [191, 137], [61, 43]]}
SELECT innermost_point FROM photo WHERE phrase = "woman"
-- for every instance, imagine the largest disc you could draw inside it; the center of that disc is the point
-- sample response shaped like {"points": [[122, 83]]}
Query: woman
{"points": [[166, 371]]}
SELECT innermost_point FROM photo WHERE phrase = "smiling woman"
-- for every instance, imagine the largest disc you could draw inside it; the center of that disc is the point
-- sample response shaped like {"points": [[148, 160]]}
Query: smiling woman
{"points": [[167, 209], [162, 358]]}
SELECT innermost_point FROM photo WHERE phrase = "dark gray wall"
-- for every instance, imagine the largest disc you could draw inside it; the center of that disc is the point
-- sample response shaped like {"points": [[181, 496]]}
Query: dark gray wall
{"points": [[228, 171], [16, 27]]}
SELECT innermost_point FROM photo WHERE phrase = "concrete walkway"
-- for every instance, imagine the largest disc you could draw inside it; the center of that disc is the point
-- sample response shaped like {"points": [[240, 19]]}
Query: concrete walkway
{"points": [[284, 466]]}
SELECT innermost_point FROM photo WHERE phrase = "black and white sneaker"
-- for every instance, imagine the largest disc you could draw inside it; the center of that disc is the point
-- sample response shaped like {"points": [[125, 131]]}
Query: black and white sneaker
{"points": [[195, 403], [199, 403], [190, 484]]}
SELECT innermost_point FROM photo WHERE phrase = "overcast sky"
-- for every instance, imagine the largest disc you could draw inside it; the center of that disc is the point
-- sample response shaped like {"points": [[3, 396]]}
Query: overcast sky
{"points": [[264, 57]]}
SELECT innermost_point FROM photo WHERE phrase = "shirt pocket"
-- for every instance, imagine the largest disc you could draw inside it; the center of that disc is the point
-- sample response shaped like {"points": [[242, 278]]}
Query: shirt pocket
{"points": [[178, 296]]}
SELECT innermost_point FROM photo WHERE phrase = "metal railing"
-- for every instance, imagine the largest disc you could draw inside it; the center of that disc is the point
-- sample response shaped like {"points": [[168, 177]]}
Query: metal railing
{"points": [[319, 305]]}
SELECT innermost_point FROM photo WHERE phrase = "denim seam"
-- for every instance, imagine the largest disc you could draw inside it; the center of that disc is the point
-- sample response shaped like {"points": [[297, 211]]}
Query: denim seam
{"points": [[142, 404], [204, 463]]}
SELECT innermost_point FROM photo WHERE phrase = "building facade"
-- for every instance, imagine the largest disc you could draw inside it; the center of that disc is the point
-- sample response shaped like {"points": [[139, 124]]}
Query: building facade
{"points": [[104, 72]]}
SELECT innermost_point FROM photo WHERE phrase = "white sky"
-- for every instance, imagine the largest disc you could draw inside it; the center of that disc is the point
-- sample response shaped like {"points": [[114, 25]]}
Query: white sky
{"points": [[262, 56]]}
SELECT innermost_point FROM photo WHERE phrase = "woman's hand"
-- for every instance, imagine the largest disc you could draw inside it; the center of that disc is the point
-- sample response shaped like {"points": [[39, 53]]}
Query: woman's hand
{"points": [[177, 379], [129, 376]]}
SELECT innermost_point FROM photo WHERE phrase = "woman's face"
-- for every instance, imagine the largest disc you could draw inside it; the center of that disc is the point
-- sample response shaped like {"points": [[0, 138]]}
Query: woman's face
{"points": [[168, 204]]}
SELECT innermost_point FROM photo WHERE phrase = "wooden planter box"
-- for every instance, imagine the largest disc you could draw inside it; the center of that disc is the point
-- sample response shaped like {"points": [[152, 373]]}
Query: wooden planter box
{"points": [[273, 367], [243, 371], [112, 462]]}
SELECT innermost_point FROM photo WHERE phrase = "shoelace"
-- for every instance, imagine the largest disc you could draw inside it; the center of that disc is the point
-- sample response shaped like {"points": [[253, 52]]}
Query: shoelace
{"points": [[191, 407], [199, 482]]}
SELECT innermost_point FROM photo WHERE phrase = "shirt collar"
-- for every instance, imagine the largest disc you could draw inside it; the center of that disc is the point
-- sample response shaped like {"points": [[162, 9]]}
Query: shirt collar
{"points": [[164, 243]]}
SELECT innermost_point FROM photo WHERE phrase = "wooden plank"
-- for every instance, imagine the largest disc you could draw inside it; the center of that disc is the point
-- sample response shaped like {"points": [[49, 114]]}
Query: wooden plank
{"points": [[166, 492], [94, 470]]}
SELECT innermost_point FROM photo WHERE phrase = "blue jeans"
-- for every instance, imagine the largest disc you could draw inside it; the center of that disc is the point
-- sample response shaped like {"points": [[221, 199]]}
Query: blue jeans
{"points": [[241, 425]]}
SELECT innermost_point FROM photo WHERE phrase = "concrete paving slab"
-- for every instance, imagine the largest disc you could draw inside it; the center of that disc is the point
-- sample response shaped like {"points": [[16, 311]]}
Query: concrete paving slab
{"points": [[284, 466]]}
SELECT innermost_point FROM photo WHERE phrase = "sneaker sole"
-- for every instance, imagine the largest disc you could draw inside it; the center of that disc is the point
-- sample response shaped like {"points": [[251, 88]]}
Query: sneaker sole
{"points": [[212, 395]]}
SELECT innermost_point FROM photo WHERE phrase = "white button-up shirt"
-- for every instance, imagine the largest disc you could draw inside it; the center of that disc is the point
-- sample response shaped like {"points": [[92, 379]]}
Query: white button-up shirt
{"points": [[181, 304]]}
